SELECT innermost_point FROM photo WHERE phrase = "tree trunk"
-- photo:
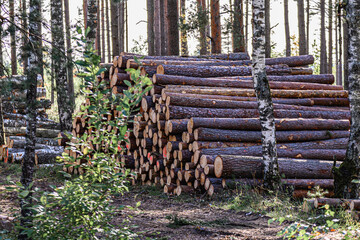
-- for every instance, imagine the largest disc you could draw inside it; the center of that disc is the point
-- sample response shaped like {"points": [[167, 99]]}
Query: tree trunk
{"points": [[2, 66], [108, 30], [215, 26], [12, 30], [238, 27], [24, 56], [163, 27], [247, 24], [203, 21], [183, 32], [330, 29], [346, 55], [70, 67], [103, 52], [91, 21], [114, 27], [59, 58], [2, 131], [301, 25], [121, 25], [323, 55], [98, 29], [350, 169], [287, 29], [150, 27], [157, 27], [307, 26], [173, 28], [267, 30], [34, 51], [339, 77]]}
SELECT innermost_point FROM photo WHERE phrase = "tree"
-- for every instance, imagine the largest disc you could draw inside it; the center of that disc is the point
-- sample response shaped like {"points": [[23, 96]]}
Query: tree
{"points": [[247, 24], [2, 67], [157, 28], [59, 59], [323, 55], [203, 22], [91, 20], [34, 52], [70, 67], [238, 27], [263, 95], [150, 27], [103, 52], [330, 49], [307, 26], [108, 30], [163, 27], [114, 28], [346, 54], [12, 30], [301, 25], [24, 17], [347, 175], [121, 26], [2, 130], [215, 26], [183, 32], [267, 29], [287, 28], [173, 27]]}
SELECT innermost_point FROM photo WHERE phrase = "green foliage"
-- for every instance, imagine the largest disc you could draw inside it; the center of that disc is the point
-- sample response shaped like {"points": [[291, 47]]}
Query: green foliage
{"points": [[176, 221], [81, 208]]}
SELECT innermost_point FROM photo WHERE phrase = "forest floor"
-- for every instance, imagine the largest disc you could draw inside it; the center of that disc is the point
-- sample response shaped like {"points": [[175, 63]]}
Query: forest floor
{"points": [[230, 215]]}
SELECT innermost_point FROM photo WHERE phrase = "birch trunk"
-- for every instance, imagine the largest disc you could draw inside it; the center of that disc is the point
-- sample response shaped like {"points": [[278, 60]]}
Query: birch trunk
{"points": [[150, 27], [238, 27], [34, 67], [91, 20], [323, 55], [12, 30], [263, 95], [350, 169], [70, 67], [59, 58], [287, 29], [301, 25]]}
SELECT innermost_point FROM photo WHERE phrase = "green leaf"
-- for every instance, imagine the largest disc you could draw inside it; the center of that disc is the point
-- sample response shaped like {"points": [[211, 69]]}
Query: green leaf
{"points": [[24, 194]]}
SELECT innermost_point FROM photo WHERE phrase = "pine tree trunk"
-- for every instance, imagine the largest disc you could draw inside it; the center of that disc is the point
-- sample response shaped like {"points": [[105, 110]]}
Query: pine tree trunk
{"points": [[330, 29], [215, 26], [267, 30], [108, 31], [70, 66], [114, 28], [85, 9], [92, 21], [34, 67], [150, 27], [12, 30], [157, 27], [59, 58], [238, 27], [323, 55], [98, 29], [346, 55], [350, 169], [24, 16], [1, 49], [247, 25], [202, 19], [41, 72], [173, 27], [263, 95], [287, 29], [339, 79], [126, 26], [163, 27], [183, 32], [2, 131], [301, 25], [121, 26], [307, 26], [103, 52]]}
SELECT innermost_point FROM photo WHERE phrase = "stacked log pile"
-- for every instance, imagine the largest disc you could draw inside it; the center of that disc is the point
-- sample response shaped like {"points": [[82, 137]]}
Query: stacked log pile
{"points": [[199, 130], [14, 120]]}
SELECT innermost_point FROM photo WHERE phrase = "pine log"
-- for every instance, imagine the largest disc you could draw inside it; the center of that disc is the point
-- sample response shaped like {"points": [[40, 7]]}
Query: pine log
{"points": [[332, 202], [355, 204], [216, 71], [321, 78], [118, 79], [275, 93], [198, 145], [280, 124], [183, 188], [179, 112], [176, 126], [248, 166], [210, 134], [301, 71], [331, 101], [207, 159], [228, 56], [232, 83]]}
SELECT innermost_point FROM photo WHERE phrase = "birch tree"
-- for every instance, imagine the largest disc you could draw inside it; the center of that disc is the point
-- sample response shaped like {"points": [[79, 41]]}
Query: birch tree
{"points": [[34, 52], [263, 95], [348, 174], [59, 60]]}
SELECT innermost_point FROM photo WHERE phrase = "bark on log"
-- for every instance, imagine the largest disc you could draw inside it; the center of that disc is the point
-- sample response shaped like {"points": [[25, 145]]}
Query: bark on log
{"points": [[280, 124], [321, 78], [40, 132], [249, 166], [19, 141], [217, 71], [39, 124], [210, 134], [42, 156], [178, 112], [218, 82]]}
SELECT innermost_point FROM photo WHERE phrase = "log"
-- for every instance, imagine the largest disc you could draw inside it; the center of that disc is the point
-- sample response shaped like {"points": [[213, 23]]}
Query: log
{"points": [[280, 124], [42, 156], [176, 126], [118, 79], [11, 106], [40, 132], [332, 202], [355, 204], [331, 102], [179, 112], [217, 71], [301, 71], [183, 188], [17, 82], [163, 79], [19, 142], [39, 124], [275, 93], [212, 181], [227, 166], [209, 134], [41, 94]]}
